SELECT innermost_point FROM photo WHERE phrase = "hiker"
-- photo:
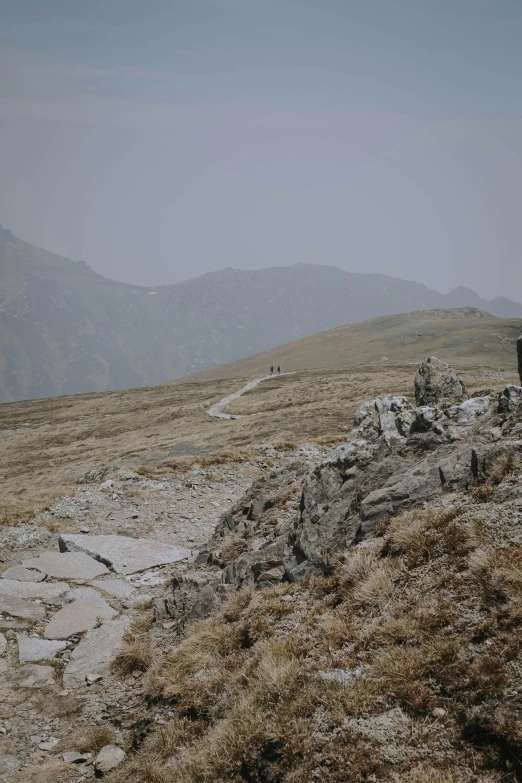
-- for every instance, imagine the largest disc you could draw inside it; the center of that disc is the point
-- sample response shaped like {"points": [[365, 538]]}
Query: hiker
{"points": [[271, 369], [278, 370]]}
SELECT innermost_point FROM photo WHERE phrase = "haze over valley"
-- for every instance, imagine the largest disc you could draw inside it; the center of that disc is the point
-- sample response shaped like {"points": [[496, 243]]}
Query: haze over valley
{"points": [[64, 329]]}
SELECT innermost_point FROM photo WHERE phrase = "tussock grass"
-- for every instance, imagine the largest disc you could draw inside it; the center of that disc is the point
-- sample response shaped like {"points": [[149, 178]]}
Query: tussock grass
{"points": [[136, 654], [89, 741], [249, 703], [48, 772], [420, 535]]}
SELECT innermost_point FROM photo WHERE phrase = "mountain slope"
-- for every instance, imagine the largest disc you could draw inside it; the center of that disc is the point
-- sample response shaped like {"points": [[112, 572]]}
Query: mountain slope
{"points": [[65, 329], [465, 337]]}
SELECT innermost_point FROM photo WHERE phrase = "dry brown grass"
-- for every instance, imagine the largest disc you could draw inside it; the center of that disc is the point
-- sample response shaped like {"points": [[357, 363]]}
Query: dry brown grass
{"points": [[165, 428], [420, 535], [249, 704], [426, 773], [503, 466], [136, 655], [89, 740], [48, 772], [61, 706]]}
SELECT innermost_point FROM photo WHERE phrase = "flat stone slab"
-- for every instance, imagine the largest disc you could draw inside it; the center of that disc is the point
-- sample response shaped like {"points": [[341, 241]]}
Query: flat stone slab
{"points": [[32, 589], [94, 654], [81, 615], [22, 574], [82, 592], [3, 644], [122, 554], [32, 649], [4, 666], [34, 676], [67, 565], [17, 607], [118, 588], [9, 766]]}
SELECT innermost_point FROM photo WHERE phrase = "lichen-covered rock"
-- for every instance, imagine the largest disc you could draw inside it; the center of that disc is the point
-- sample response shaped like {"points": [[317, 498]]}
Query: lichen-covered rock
{"points": [[389, 418], [510, 399], [437, 383]]}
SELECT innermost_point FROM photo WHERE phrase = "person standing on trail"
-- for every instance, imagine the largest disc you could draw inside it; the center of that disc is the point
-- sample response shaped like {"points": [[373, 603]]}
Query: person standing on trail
{"points": [[271, 369], [278, 369]]}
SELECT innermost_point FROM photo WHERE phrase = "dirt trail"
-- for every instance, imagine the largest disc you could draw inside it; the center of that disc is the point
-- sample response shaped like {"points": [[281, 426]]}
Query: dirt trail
{"points": [[217, 410]]}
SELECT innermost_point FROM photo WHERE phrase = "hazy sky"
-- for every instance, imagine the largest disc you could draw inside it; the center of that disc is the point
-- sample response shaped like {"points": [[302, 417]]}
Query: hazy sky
{"points": [[160, 139]]}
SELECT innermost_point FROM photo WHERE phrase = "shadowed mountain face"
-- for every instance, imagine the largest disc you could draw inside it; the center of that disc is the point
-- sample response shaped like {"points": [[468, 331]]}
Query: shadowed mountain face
{"points": [[64, 329]]}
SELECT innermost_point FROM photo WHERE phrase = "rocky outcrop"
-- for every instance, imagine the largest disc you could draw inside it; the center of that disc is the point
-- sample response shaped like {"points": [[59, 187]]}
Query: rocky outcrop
{"points": [[397, 457], [519, 355], [437, 383], [122, 554]]}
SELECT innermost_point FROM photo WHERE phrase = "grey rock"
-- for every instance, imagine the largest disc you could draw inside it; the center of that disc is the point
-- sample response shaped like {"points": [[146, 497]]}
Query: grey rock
{"points": [[78, 616], [355, 488], [9, 766], [510, 399], [23, 574], [108, 758], [122, 554], [49, 744], [296, 573], [94, 475], [271, 576], [118, 588], [17, 607], [425, 417], [387, 418], [82, 592], [95, 652], [67, 565], [396, 415], [469, 411], [32, 589], [32, 649], [436, 382], [61, 601], [12, 625], [33, 675], [3, 644], [193, 596], [4, 666], [73, 757], [519, 356]]}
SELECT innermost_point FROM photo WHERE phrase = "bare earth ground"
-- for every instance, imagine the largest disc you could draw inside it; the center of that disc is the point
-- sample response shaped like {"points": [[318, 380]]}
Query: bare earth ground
{"points": [[47, 445]]}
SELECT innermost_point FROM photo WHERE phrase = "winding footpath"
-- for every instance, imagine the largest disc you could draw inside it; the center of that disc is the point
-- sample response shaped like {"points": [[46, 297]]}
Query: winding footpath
{"points": [[217, 410]]}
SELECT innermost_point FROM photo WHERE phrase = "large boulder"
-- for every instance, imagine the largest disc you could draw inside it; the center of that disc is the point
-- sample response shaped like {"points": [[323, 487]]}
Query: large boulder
{"points": [[437, 383]]}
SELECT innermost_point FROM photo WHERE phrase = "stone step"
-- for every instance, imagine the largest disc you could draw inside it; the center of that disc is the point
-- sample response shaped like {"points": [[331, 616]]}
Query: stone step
{"points": [[81, 615], [67, 565], [122, 554]]}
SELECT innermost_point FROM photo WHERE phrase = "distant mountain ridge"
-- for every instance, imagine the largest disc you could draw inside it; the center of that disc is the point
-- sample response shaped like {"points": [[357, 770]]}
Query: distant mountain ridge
{"points": [[65, 329]]}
